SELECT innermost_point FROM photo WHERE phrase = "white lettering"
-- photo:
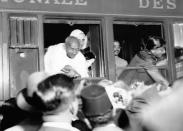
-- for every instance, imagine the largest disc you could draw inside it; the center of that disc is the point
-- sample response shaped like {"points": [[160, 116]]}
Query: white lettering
{"points": [[81, 2], [171, 4], [67, 3], [19, 1], [55, 2], [143, 3], [33, 1], [158, 4]]}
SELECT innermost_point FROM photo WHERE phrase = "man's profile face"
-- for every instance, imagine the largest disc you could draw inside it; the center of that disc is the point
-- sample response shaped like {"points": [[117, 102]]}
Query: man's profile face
{"points": [[72, 49], [117, 48], [158, 50]]}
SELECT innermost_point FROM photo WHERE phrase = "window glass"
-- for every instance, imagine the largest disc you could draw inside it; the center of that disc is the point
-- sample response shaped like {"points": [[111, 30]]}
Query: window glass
{"points": [[23, 31], [23, 50], [178, 50]]}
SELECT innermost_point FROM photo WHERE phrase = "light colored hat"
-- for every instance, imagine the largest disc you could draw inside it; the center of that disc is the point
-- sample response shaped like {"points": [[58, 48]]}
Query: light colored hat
{"points": [[31, 86], [81, 36], [78, 34]]}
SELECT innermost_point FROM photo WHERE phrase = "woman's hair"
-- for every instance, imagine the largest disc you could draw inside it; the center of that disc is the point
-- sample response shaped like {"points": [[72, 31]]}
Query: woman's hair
{"points": [[150, 43], [54, 92]]}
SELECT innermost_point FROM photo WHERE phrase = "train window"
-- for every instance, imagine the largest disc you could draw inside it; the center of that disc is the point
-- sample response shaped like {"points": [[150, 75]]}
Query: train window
{"points": [[56, 31], [23, 31], [23, 50], [178, 50], [132, 37]]}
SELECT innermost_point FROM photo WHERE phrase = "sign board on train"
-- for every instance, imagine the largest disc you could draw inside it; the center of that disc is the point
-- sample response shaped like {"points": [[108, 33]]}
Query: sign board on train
{"points": [[98, 7]]}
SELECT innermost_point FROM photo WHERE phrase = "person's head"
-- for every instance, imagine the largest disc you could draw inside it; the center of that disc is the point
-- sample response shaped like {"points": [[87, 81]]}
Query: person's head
{"points": [[54, 94], [23, 98], [96, 105], [81, 36], [117, 48], [178, 52], [72, 46], [156, 45]]}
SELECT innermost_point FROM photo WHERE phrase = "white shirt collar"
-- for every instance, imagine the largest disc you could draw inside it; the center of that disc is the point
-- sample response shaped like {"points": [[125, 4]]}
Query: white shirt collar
{"points": [[64, 125]]}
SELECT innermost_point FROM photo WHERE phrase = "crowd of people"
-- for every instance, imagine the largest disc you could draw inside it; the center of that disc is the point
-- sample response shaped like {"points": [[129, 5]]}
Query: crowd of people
{"points": [[63, 98]]}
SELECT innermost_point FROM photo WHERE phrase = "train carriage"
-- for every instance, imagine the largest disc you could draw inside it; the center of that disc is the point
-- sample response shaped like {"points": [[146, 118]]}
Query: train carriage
{"points": [[28, 27]]}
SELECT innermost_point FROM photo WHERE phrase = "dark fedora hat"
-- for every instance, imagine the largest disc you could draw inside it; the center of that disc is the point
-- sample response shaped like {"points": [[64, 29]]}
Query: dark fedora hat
{"points": [[95, 101]]}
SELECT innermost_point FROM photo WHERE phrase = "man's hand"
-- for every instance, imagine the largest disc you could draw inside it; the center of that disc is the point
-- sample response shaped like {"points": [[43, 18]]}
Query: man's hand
{"points": [[68, 70], [73, 73]]}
